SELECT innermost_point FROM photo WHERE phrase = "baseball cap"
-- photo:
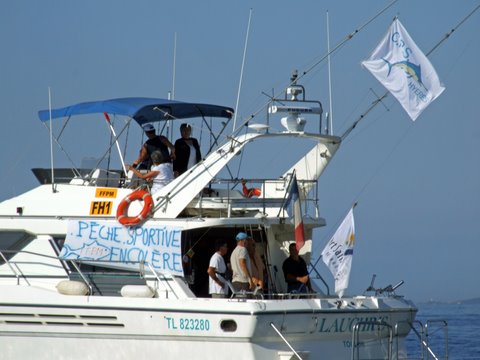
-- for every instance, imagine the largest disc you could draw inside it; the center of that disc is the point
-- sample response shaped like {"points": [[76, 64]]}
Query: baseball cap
{"points": [[242, 236], [148, 127]]}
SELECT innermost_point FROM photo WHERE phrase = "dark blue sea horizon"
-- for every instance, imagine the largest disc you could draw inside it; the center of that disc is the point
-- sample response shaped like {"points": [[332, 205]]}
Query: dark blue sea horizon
{"points": [[463, 324]]}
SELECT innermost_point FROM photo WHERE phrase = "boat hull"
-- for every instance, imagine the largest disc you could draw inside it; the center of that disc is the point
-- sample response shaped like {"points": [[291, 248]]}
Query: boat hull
{"points": [[78, 327]]}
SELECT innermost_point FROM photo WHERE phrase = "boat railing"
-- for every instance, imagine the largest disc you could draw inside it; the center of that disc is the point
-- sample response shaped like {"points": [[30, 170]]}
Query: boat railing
{"points": [[74, 264], [318, 276], [424, 335], [239, 196], [440, 325], [160, 280], [19, 270], [16, 266], [80, 176], [421, 332], [380, 325], [137, 268]]}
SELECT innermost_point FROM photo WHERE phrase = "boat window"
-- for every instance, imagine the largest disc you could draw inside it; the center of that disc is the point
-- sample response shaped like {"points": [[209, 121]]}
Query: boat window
{"points": [[12, 242], [228, 325]]}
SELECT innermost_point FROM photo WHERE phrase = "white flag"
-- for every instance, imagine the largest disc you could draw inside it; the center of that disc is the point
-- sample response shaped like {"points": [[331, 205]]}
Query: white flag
{"points": [[404, 70], [338, 253]]}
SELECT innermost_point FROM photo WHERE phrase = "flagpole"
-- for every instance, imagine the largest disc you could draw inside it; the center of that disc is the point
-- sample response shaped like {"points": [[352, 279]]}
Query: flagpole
{"points": [[379, 100]]}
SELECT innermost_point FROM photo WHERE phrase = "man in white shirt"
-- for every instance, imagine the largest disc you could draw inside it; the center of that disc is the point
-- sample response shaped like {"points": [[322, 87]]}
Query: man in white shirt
{"points": [[217, 284]]}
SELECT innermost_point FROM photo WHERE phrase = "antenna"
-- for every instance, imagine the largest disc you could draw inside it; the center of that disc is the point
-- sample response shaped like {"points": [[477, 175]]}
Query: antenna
{"points": [[171, 94], [51, 138], [241, 71], [330, 112], [174, 64]]}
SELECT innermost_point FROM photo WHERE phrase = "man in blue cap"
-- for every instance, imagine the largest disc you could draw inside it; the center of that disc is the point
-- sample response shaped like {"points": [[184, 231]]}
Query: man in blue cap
{"points": [[240, 262], [154, 143]]}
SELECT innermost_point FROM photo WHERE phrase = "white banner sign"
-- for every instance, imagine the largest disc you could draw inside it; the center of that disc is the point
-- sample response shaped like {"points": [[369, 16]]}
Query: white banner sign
{"points": [[121, 247], [404, 70]]}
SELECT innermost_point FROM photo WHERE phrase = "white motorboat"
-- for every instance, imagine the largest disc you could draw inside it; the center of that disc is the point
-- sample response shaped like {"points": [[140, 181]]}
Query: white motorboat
{"points": [[77, 284]]}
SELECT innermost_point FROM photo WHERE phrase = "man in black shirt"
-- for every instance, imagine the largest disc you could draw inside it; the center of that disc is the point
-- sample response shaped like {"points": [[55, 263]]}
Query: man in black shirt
{"points": [[154, 143], [295, 272]]}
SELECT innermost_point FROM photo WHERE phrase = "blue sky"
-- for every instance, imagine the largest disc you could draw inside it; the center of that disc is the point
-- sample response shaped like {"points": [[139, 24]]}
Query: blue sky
{"points": [[416, 183]]}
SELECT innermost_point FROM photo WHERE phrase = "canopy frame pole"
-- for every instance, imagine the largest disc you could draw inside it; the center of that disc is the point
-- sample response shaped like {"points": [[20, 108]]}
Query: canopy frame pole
{"points": [[115, 137], [109, 148]]}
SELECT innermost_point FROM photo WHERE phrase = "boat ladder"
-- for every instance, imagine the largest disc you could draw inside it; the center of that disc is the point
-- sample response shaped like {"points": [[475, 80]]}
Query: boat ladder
{"points": [[424, 333]]}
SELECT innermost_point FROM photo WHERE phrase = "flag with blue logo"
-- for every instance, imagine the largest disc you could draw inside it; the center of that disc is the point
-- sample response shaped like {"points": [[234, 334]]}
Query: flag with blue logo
{"points": [[404, 70], [294, 200], [338, 253]]}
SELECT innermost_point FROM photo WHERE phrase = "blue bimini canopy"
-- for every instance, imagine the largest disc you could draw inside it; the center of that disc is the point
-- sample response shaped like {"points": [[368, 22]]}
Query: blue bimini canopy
{"points": [[142, 110]]}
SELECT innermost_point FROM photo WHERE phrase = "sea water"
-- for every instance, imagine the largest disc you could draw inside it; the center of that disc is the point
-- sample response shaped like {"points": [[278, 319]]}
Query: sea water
{"points": [[463, 331]]}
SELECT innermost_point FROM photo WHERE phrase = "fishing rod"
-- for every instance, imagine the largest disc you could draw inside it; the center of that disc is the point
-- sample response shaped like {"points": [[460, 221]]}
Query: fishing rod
{"points": [[308, 70], [380, 99], [241, 70]]}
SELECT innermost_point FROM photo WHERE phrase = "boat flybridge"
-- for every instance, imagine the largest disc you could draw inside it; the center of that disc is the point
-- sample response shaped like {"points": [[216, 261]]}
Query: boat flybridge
{"points": [[77, 283]]}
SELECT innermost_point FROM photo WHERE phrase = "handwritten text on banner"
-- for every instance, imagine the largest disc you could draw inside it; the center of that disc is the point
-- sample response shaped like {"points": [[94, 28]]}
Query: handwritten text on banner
{"points": [[107, 241]]}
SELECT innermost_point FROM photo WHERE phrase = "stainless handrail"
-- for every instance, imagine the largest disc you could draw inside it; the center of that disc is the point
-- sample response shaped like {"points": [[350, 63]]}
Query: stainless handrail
{"points": [[418, 334], [445, 329], [422, 334], [9, 263], [230, 184], [356, 337], [320, 276], [85, 280], [159, 280]]}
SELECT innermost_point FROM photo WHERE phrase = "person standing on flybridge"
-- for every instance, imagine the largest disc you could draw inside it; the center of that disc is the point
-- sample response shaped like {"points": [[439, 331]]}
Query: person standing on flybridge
{"points": [[154, 143], [187, 151]]}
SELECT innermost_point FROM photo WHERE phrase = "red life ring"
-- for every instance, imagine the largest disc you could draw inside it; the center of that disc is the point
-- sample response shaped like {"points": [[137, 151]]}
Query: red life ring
{"points": [[122, 209]]}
